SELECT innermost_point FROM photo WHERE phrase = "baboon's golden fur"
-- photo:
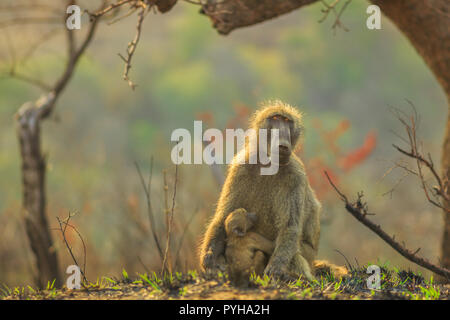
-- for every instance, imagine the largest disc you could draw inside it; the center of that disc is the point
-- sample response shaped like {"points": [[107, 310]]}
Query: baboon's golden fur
{"points": [[287, 208], [246, 251]]}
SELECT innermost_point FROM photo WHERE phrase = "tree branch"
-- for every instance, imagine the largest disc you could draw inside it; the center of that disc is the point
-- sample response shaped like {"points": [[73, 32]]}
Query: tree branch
{"points": [[359, 211], [147, 191], [132, 47], [227, 15], [410, 126]]}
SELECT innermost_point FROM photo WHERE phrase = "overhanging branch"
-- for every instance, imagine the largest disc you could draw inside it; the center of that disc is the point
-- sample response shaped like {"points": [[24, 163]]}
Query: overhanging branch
{"points": [[227, 15]]}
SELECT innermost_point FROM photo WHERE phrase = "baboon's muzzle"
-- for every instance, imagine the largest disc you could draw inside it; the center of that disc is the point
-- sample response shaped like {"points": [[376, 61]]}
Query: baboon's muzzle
{"points": [[284, 144]]}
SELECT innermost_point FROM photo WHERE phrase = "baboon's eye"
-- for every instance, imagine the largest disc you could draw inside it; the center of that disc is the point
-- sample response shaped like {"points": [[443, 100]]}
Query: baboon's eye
{"points": [[238, 231], [286, 119], [275, 117]]}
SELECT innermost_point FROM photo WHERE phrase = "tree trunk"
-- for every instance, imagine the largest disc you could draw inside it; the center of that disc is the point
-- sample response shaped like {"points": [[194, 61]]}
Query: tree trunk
{"points": [[425, 23], [29, 119], [33, 183], [445, 246]]}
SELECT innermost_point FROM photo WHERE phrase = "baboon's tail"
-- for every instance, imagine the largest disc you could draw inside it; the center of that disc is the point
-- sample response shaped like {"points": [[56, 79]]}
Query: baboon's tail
{"points": [[323, 267]]}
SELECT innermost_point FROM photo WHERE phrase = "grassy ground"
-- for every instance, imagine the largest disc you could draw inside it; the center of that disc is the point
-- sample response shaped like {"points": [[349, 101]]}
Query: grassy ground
{"points": [[395, 284]]}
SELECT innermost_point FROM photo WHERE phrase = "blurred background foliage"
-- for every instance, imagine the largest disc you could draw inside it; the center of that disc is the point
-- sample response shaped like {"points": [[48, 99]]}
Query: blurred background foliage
{"points": [[184, 70]]}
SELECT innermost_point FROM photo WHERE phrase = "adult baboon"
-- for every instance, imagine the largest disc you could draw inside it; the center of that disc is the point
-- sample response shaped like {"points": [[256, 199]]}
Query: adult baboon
{"points": [[286, 206], [246, 251]]}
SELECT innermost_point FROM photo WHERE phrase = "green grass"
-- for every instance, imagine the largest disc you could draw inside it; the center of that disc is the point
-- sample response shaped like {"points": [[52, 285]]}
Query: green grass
{"points": [[395, 284]]}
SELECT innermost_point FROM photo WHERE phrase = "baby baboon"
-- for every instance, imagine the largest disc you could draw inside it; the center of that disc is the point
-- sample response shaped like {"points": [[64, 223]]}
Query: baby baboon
{"points": [[286, 206], [245, 250]]}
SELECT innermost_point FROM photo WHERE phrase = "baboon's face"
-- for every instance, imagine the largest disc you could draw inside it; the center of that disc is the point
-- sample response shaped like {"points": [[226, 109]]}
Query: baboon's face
{"points": [[285, 127], [239, 222]]}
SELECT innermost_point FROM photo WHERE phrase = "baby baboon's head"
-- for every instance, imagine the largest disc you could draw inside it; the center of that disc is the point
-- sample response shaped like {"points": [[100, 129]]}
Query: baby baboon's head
{"points": [[239, 222]]}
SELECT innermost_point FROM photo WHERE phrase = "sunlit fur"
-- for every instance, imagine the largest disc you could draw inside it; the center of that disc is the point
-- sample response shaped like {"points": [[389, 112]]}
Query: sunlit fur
{"points": [[287, 208], [246, 251]]}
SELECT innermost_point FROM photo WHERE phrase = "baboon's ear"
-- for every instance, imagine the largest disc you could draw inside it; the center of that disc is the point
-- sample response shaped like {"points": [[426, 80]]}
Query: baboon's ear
{"points": [[238, 231]]}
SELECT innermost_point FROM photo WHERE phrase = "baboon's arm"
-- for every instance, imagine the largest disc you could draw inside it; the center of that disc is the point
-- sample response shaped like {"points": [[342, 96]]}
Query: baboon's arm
{"points": [[258, 242], [287, 241], [214, 240]]}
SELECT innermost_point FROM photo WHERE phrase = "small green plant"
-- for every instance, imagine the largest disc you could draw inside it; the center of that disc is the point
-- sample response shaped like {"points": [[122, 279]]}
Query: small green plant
{"points": [[182, 292], [109, 280], [150, 282], [125, 274], [307, 293], [50, 285], [337, 286], [263, 281], [430, 293], [193, 274], [291, 296]]}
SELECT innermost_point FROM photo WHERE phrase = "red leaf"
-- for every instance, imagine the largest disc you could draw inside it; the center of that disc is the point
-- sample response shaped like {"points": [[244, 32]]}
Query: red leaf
{"points": [[357, 156]]}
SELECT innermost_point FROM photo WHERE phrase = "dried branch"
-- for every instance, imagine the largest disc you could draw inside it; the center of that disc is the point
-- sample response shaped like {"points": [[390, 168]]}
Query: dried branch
{"points": [[63, 224], [144, 7], [180, 243], [147, 191], [108, 9], [332, 8], [30, 80], [359, 211], [410, 124], [132, 47], [39, 41], [166, 253], [127, 14]]}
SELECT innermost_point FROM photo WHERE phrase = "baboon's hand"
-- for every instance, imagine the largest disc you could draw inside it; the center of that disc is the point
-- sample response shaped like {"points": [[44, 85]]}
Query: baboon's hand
{"points": [[208, 260], [276, 270], [212, 262]]}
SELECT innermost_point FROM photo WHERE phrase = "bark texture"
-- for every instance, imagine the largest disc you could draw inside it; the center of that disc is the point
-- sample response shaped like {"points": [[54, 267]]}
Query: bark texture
{"points": [[33, 184], [227, 15]]}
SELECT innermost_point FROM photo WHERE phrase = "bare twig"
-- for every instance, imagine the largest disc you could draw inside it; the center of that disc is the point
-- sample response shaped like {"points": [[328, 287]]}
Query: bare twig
{"points": [[410, 126], [63, 224], [360, 212], [113, 6], [30, 80], [332, 7], [147, 191], [166, 253], [180, 243], [132, 47], [127, 14]]}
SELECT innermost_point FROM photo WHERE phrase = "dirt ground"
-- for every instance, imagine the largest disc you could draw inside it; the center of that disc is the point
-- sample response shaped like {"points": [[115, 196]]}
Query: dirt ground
{"points": [[394, 285]]}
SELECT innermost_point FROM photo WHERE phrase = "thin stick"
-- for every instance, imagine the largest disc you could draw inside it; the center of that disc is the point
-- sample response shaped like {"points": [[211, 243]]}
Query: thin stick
{"points": [[180, 244], [149, 205], [166, 253], [132, 48], [69, 248]]}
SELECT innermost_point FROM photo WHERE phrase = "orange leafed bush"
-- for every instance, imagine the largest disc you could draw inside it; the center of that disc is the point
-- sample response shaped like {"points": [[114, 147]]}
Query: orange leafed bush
{"points": [[358, 155]]}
